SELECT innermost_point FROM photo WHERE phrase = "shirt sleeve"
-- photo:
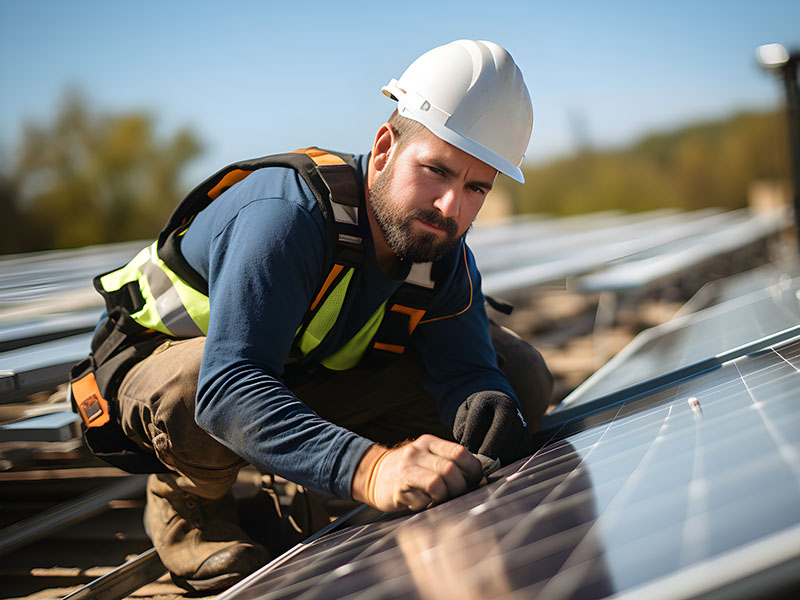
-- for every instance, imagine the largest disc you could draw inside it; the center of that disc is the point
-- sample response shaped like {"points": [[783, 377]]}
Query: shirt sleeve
{"points": [[264, 264], [453, 342]]}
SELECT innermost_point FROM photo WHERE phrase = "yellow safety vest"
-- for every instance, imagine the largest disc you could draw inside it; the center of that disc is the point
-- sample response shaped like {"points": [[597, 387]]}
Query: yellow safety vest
{"points": [[165, 302]]}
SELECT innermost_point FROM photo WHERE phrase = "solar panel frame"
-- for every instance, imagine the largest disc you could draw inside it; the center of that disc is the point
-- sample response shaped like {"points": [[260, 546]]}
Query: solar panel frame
{"points": [[701, 341]]}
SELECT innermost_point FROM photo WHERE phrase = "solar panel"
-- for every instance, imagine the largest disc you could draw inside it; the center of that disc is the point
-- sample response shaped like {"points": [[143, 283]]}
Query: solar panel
{"points": [[26, 278], [560, 254], [677, 256], [32, 368], [695, 342], [686, 489]]}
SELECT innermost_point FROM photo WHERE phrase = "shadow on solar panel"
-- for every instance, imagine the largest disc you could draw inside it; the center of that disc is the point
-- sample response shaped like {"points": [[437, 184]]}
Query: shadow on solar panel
{"points": [[691, 490]]}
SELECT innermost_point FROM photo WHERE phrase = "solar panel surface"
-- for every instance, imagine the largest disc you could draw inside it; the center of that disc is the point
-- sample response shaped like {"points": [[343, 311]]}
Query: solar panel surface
{"points": [[694, 340], [638, 497]]}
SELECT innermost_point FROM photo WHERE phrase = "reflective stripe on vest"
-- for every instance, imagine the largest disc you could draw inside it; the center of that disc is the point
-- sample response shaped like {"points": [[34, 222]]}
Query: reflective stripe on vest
{"points": [[171, 306]]}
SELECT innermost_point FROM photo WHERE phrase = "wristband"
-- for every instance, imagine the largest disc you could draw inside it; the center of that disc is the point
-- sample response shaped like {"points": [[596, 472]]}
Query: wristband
{"points": [[372, 479]]}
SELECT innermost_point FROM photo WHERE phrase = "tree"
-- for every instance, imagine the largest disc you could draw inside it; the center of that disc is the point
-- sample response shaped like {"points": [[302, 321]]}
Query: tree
{"points": [[702, 165], [89, 178]]}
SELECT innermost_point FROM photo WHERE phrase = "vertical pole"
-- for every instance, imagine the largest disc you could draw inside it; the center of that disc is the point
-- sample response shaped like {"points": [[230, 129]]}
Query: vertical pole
{"points": [[789, 72]]}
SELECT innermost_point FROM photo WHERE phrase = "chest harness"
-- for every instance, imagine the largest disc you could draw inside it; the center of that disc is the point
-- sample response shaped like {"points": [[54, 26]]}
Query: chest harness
{"points": [[159, 296]]}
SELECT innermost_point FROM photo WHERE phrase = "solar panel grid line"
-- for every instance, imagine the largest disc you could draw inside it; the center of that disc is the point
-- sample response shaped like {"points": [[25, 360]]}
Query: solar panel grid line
{"points": [[549, 508], [558, 560], [783, 446], [559, 501], [379, 563], [345, 559], [446, 560], [481, 564], [791, 355], [565, 583], [289, 573], [344, 553], [632, 526], [743, 411], [610, 513], [282, 587], [695, 533], [330, 532], [639, 521]]}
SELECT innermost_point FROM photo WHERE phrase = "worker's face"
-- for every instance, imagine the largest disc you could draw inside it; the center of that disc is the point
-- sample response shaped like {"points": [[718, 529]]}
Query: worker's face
{"points": [[426, 196]]}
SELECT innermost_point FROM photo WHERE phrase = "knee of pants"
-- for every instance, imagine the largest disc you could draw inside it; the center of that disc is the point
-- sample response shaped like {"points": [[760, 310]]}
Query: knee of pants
{"points": [[526, 371], [157, 401]]}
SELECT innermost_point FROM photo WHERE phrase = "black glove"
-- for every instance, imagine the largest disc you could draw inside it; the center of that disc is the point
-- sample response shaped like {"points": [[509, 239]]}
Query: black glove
{"points": [[490, 423]]}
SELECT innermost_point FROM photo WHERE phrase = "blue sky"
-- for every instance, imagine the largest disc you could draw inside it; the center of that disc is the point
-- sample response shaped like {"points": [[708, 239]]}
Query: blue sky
{"points": [[254, 78]]}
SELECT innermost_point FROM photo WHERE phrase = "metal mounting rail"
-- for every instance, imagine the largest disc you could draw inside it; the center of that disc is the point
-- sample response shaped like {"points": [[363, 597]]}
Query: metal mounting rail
{"points": [[123, 580], [67, 513]]}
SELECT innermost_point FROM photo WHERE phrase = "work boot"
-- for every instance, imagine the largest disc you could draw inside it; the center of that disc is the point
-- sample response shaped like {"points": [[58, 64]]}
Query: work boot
{"points": [[197, 539]]}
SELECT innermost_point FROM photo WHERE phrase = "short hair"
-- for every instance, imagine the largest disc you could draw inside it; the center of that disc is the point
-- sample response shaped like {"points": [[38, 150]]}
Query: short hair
{"points": [[405, 129]]}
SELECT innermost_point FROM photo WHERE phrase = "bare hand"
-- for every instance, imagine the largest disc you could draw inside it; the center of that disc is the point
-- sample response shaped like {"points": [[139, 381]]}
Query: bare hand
{"points": [[419, 474]]}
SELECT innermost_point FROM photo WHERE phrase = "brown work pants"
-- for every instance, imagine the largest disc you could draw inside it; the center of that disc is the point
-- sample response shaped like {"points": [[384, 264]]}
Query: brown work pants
{"points": [[157, 401]]}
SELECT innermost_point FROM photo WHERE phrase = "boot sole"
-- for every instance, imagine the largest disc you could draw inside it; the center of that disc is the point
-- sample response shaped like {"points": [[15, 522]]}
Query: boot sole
{"points": [[214, 584]]}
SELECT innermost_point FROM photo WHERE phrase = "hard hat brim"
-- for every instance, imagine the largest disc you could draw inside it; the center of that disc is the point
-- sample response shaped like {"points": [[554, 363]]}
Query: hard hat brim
{"points": [[454, 138]]}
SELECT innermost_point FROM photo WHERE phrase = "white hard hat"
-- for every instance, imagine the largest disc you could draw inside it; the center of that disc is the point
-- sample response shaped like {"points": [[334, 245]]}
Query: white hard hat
{"points": [[471, 95]]}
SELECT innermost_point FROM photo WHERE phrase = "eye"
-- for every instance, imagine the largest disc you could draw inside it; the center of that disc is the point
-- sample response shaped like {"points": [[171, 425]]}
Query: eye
{"points": [[435, 170], [477, 189]]}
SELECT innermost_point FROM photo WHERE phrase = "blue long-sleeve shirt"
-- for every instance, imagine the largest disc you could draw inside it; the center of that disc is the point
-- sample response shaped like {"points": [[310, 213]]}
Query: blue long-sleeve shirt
{"points": [[261, 247]]}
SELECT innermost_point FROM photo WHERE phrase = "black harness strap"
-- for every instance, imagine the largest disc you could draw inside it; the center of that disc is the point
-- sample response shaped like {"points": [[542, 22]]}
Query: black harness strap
{"points": [[405, 309], [333, 179]]}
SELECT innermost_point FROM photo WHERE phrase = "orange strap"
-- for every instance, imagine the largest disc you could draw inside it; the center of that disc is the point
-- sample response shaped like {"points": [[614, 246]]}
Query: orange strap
{"points": [[328, 281], [230, 179], [90, 403], [394, 348], [321, 157], [414, 315]]}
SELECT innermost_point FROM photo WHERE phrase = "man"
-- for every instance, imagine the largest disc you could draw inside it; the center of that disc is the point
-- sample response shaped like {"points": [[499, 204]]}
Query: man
{"points": [[293, 272]]}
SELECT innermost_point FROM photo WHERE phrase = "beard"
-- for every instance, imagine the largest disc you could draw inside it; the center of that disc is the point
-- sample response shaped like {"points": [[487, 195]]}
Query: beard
{"points": [[395, 225]]}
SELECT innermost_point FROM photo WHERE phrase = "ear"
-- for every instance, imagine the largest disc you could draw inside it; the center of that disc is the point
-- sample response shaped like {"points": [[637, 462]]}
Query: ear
{"points": [[382, 147]]}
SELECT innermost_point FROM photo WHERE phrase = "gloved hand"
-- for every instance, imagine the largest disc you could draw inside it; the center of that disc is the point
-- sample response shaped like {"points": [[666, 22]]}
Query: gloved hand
{"points": [[491, 424], [416, 475]]}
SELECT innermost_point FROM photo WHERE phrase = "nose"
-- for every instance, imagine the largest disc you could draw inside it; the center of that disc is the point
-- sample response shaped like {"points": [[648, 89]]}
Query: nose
{"points": [[449, 203]]}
